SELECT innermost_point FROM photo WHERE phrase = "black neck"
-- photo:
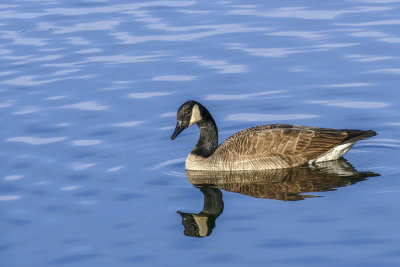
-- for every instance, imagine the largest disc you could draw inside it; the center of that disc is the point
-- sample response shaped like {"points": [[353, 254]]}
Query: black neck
{"points": [[208, 141], [213, 203]]}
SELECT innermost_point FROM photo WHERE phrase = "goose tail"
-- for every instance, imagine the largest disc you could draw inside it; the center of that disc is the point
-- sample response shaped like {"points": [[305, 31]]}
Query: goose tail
{"points": [[356, 135], [341, 149]]}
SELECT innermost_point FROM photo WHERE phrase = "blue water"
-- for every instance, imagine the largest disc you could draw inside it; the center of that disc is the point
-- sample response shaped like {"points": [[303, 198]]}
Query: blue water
{"points": [[88, 96]]}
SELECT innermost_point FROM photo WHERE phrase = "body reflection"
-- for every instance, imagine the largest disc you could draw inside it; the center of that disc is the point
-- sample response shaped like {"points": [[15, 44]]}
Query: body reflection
{"points": [[280, 184]]}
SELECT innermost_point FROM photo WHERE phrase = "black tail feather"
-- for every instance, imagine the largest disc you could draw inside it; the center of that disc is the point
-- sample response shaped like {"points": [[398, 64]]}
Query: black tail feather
{"points": [[356, 135]]}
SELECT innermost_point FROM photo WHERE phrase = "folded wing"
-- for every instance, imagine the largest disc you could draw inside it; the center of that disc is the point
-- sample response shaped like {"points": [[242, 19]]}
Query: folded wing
{"points": [[282, 145]]}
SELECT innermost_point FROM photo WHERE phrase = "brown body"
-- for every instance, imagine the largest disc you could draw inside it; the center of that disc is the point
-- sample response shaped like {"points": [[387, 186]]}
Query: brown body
{"points": [[277, 146]]}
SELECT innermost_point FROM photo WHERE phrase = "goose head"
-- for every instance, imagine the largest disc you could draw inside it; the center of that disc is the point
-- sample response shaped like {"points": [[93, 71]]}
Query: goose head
{"points": [[189, 113], [197, 225]]}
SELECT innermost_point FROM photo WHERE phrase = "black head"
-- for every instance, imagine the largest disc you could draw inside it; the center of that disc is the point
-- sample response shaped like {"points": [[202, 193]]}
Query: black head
{"points": [[189, 113], [197, 225]]}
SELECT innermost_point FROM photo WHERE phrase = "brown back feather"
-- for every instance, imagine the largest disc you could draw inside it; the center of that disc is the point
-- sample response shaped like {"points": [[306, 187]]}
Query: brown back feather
{"points": [[291, 142]]}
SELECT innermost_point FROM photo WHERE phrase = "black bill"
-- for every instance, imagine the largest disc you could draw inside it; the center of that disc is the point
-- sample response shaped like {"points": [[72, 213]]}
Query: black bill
{"points": [[178, 129]]}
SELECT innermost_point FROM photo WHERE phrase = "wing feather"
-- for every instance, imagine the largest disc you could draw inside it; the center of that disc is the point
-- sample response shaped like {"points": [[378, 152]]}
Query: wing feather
{"points": [[290, 142]]}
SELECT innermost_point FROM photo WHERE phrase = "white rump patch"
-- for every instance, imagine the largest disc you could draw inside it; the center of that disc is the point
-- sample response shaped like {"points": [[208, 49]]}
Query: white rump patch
{"points": [[335, 153]]}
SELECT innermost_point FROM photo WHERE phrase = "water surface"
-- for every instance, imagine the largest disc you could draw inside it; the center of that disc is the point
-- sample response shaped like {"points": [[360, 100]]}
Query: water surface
{"points": [[89, 91]]}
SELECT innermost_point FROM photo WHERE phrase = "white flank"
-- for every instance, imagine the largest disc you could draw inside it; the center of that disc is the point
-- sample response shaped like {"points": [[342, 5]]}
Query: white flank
{"points": [[334, 153]]}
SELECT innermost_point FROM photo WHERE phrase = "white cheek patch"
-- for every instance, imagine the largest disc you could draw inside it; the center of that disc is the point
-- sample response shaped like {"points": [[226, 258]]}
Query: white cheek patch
{"points": [[196, 116], [201, 222]]}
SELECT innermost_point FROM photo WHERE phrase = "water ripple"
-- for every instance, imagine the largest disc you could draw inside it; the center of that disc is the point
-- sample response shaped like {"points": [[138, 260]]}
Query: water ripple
{"points": [[221, 65], [367, 58], [29, 80], [300, 34], [6, 104], [128, 124], [77, 41], [168, 114], [78, 166], [372, 23], [170, 163], [85, 142], [148, 94], [73, 259], [70, 187], [368, 34], [390, 40], [118, 59], [57, 97], [88, 51], [197, 12], [123, 8], [345, 85], [304, 13], [387, 71], [88, 26], [65, 72], [6, 198], [35, 140], [6, 73], [351, 104], [378, 1], [86, 105], [13, 177], [128, 38], [27, 110], [20, 39], [252, 117], [241, 96], [174, 78], [115, 169], [286, 51]]}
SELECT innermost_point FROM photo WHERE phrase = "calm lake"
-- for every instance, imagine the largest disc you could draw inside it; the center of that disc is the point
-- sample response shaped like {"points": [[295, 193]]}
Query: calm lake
{"points": [[89, 91]]}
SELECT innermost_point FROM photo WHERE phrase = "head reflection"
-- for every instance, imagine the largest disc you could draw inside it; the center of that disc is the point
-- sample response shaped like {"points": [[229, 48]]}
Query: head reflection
{"points": [[282, 184], [201, 224]]}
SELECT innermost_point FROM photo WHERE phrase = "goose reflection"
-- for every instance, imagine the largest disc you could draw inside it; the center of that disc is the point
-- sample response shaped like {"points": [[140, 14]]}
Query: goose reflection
{"points": [[281, 184]]}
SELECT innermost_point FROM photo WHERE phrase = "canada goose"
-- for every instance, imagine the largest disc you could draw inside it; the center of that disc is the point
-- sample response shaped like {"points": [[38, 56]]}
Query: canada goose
{"points": [[273, 146]]}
